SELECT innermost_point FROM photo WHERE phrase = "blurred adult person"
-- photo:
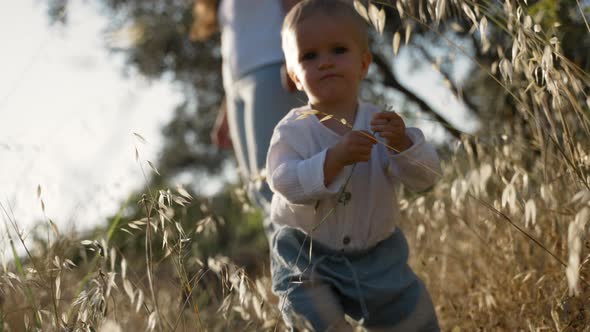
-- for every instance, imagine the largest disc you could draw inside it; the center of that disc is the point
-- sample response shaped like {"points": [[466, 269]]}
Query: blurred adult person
{"points": [[258, 90]]}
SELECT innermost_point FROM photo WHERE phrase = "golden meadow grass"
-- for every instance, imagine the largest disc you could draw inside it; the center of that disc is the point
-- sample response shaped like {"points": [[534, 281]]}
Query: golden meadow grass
{"points": [[501, 240]]}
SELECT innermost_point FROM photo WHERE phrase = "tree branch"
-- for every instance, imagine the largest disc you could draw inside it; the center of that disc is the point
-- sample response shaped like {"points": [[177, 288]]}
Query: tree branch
{"points": [[447, 77]]}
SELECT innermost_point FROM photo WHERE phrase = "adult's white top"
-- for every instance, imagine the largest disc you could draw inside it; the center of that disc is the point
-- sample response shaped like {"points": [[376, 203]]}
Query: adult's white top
{"points": [[295, 173], [250, 35]]}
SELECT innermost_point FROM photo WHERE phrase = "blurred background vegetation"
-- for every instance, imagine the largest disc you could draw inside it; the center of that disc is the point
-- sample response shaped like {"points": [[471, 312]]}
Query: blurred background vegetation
{"points": [[211, 251]]}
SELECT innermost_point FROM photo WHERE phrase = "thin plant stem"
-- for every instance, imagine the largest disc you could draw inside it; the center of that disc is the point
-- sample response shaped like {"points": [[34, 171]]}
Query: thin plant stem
{"points": [[583, 15], [94, 261], [148, 259], [19, 265]]}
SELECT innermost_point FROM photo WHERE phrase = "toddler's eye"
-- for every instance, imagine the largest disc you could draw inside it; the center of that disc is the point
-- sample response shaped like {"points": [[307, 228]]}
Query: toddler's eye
{"points": [[308, 56], [340, 50]]}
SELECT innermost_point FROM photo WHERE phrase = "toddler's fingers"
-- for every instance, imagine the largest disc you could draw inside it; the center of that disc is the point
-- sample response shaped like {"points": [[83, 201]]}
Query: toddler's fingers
{"points": [[386, 115], [390, 135], [378, 121], [392, 126], [381, 128], [364, 156], [367, 136]]}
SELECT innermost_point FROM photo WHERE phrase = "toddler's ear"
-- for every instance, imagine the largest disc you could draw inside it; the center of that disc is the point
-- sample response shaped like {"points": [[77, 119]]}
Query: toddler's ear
{"points": [[295, 79], [286, 80], [366, 60]]}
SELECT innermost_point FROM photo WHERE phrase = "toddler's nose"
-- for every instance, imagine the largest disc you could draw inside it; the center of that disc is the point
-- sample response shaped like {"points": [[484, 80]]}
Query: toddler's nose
{"points": [[325, 63]]}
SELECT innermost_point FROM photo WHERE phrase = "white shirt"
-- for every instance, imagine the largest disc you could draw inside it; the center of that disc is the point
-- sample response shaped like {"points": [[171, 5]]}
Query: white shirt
{"points": [[295, 174], [250, 35]]}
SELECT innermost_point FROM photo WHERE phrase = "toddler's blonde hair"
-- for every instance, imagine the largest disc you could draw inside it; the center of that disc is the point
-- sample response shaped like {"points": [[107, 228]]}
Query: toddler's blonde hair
{"points": [[340, 9]]}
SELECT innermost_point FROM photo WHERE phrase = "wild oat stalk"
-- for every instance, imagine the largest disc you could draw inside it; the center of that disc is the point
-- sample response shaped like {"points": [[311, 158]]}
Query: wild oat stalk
{"points": [[533, 59], [19, 265]]}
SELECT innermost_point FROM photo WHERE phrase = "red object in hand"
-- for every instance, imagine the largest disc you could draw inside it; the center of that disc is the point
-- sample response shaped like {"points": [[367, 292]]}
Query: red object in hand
{"points": [[220, 134]]}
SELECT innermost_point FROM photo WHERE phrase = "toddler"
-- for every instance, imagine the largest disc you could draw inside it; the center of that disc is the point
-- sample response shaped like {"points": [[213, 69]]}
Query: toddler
{"points": [[333, 166]]}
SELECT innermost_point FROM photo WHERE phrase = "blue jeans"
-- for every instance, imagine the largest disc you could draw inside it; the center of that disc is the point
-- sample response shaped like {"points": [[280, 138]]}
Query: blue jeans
{"points": [[255, 104], [376, 286]]}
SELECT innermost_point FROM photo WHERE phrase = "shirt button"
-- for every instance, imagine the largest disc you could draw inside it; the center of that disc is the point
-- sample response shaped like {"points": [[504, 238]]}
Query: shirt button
{"points": [[346, 240]]}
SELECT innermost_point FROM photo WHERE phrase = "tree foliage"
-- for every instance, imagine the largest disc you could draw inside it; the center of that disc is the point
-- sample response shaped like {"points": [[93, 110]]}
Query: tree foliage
{"points": [[156, 42], [154, 37]]}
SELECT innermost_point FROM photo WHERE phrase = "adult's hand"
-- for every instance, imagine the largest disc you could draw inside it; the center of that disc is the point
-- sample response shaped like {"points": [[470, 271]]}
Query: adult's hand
{"points": [[205, 23]]}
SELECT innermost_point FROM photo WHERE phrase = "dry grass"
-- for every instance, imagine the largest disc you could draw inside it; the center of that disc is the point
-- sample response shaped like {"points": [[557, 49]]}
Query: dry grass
{"points": [[501, 241], [483, 273], [502, 266]]}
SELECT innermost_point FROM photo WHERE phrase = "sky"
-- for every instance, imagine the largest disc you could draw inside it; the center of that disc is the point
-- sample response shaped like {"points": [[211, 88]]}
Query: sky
{"points": [[68, 117]]}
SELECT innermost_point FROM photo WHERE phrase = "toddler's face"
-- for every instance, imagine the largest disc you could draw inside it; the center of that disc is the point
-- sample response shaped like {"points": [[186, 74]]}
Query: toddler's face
{"points": [[328, 60]]}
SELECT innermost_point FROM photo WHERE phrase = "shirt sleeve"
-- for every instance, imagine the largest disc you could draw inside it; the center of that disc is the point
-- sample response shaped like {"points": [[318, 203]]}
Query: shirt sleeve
{"points": [[299, 180], [418, 167]]}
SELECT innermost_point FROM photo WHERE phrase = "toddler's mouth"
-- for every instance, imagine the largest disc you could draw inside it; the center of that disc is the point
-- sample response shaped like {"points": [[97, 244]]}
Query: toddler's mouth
{"points": [[329, 76]]}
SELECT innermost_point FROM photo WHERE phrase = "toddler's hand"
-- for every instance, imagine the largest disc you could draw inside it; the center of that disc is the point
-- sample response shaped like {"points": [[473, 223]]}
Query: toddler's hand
{"points": [[354, 147], [392, 128]]}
